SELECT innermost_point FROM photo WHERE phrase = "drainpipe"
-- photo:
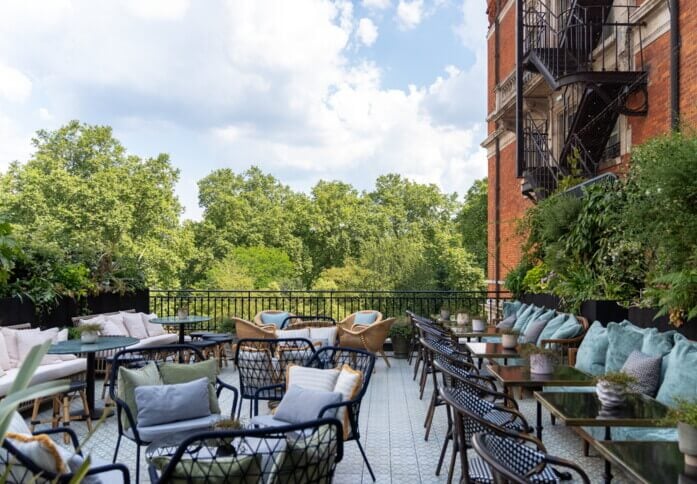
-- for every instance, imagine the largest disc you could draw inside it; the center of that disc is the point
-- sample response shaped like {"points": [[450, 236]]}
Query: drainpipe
{"points": [[497, 188], [519, 86], [674, 6]]}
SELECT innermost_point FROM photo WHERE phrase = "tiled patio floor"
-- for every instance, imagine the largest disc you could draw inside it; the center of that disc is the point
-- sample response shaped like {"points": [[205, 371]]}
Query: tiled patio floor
{"points": [[392, 419]]}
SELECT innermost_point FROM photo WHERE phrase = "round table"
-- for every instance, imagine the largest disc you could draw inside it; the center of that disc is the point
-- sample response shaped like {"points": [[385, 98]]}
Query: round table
{"points": [[181, 322], [76, 346]]}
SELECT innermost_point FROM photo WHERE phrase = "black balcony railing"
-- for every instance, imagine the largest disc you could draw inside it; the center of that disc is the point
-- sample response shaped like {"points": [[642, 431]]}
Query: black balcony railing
{"points": [[223, 304]]}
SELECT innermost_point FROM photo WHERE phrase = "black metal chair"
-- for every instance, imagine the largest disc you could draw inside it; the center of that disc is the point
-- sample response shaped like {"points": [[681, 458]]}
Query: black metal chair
{"points": [[15, 467], [514, 458], [301, 453], [262, 367], [139, 357]]}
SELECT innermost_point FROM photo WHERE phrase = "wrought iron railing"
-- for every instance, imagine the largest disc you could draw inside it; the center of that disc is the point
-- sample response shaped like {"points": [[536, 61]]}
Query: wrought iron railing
{"points": [[223, 304]]}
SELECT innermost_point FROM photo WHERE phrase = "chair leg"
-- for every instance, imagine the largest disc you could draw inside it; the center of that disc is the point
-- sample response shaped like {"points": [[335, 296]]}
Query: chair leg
{"points": [[137, 464], [419, 360], [384, 357], [429, 417], [66, 417], [453, 457], [86, 410], [444, 450], [35, 413], [106, 379], [365, 459], [116, 451]]}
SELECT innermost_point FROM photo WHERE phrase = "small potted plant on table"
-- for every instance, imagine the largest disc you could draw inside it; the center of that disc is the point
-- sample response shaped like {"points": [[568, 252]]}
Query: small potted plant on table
{"points": [[479, 323], [444, 314], [542, 360], [462, 317], [400, 334], [227, 447], [183, 311], [612, 388], [89, 332], [509, 338], [684, 415]]}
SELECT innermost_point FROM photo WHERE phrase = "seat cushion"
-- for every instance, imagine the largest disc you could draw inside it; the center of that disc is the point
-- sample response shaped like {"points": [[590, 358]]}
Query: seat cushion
{"points": [[680, 381], [623, 338], [276, 319], [367, 317], [148, 434], [182, 373], [593, 350], [133, 322], [165, 339], [56, 371], [293, 333], [328, 334]]}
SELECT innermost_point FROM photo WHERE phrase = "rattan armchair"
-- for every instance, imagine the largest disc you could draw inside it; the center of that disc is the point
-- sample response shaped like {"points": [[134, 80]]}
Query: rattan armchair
{"points": [[259, 321], [246, 329], [349, 321], [370, 338]]}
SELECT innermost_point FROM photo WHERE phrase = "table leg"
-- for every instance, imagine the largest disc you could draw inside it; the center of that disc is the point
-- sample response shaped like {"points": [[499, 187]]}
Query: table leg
{"points": [[181, 334], [608, 466], [539, 420], [95, 412]]}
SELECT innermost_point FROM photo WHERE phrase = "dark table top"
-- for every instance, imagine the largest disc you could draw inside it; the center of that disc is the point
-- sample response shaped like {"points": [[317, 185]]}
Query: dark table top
{"points": [[466, 331], [491, 350], [518, 375], [647, 462], [177, 320], [103, 343], [584, 409]]}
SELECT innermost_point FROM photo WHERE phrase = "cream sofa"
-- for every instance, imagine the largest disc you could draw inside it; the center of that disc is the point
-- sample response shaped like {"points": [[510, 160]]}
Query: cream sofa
{"points": [[125, 323], [15, 343]]}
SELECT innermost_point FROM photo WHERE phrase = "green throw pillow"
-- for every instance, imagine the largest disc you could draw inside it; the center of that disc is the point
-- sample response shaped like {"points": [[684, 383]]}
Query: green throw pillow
{"points": [[623, 338], [183, 373], [552, 326], [128, 380], [569, 329], [593, 350], [680, 381], [243, 469]]}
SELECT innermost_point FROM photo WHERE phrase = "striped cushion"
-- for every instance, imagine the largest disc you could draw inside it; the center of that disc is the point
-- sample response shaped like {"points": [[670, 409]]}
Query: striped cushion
{"points": [[311, 378]]}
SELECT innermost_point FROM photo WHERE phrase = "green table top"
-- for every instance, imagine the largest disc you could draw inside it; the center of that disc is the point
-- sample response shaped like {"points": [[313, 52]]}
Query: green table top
{"points": [[177, 320], [647, 462], [517, 375], [584, 409], [73, 346]]}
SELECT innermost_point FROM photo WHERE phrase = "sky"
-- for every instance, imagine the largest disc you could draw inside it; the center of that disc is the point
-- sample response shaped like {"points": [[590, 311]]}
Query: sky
{"points": [[304, 89]]}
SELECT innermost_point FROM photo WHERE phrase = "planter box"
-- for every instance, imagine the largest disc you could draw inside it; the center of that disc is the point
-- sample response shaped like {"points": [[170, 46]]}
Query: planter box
{"points": [[543, 300], [603, 311], [14, 310], [644, 318]]}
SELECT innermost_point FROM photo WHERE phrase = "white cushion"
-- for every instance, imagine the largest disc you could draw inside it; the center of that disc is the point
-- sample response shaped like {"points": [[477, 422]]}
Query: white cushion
{"points": [[11, 343], [312, 378], [44, 373], [26, 340], [348, 384], [152, 328], [319, 334], [4, 355], [293, 333], [164, 339], [113, 325], [62, 335], [134, 325]]}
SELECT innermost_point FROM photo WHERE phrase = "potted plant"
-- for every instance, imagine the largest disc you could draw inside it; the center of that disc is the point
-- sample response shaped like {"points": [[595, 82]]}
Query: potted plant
{"points": [[509, 338], [444, 313], [183, 311], [227, 325], [611, 388], [684, 416], [462, 317], [479, 323], [400, 334], [542, 360], [226, 447], [89, 332]]}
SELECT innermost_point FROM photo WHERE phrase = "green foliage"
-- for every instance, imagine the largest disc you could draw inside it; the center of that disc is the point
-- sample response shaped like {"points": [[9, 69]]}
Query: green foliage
{"points": [[616, 378], [684, 411], [88, 328], [516, 276], [472, 222], [9, 252], [535, 280], [527, 349], [403, 330]]}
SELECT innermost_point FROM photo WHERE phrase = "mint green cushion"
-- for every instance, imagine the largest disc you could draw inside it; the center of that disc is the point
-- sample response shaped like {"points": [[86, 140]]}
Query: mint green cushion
{"points": [[657, 343], [530, 314], [680, 381], [623, 338], [127, 382], [365, 318], [521, 309], [276, 319], [552, 326], [593, 350], [569, 329], [510, 307]]}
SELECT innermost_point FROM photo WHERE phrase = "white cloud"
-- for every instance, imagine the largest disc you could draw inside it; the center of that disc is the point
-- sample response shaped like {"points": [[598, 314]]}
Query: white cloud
{"points": [[14, 85], [44, 114], [367, 31], [376, 4], [15, 145], [158, 9], [409, 13]]}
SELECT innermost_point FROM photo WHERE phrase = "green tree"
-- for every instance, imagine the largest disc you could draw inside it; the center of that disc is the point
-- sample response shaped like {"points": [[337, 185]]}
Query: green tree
{"points": [[472, 222]]}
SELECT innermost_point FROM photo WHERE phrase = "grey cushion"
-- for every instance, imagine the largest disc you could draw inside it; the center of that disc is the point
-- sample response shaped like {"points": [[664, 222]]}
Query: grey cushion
{"points": [[303, 405], [533, 331], [159, 404], [507, 323], [155, 432], [646, 369], [76, 461]]}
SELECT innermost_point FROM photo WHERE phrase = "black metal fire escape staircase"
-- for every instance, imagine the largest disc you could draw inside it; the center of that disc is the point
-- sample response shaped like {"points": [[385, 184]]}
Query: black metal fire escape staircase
{"points": [[577, 51]]}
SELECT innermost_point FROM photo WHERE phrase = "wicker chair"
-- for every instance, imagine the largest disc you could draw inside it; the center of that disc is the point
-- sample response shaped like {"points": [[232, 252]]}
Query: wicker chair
{"points": [[302, 453], [245, 329], [370, 338], [302, 322], [258, 316], [349, 321]]}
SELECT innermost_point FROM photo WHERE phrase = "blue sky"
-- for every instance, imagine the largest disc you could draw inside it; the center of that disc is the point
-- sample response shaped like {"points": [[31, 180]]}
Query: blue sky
{"points": [[305, 89]]}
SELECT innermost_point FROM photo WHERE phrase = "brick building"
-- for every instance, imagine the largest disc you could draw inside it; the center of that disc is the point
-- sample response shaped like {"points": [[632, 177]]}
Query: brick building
{"points": [[595, 78]]}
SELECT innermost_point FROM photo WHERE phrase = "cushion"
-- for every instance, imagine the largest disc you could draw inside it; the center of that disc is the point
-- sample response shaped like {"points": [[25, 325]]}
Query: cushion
{"points": [[647, 371], [521, 309], [41, 450], [365, 317], [680, 381], [111, 326], [156, 432], [348, 385], [593, 350], [507, 322], [623, 338], [181, 373], [152, 328], [128, 380], [26, 340], [320, 334], [533, 331], [510, 308], [160, 404], [11, 343], [569, 328], [657, 343], [75, 461], [293, 333], [522, 319], [551, 327], [303, 404], [4, 355], [242, 469], [276, 319], [133, 323], [311, 378]]}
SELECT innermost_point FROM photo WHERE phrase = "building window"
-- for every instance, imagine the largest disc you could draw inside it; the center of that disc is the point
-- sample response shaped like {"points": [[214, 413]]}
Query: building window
{"points": [[612, 149]]}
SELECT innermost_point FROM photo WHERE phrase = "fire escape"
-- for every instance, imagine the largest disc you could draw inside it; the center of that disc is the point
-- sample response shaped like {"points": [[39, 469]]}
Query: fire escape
{"points": [[590, 56]]}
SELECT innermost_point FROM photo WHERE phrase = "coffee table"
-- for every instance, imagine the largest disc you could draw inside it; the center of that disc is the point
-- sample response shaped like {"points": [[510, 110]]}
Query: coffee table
{"points": [[647, 462], [520, 376], [583, 409], [76, 346], [468, 333], [181, 322], [490, 351]]}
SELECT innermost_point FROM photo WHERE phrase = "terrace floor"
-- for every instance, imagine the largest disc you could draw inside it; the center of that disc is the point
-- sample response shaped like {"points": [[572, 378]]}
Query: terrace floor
{"points": [[392, 419]]}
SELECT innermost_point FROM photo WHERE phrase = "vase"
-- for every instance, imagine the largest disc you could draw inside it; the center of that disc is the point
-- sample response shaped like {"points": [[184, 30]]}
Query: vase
{"points": [[182, 313], [687, 443], [611, 395], [462, 318], [509, 341], [541, 364], [444, 314], [478, 325], [89, 337]]}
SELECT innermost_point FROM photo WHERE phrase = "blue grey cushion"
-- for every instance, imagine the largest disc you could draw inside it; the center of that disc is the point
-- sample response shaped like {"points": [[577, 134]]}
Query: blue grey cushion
{"points": [[521, 309], [156, 432], [532, 312], [657, 343], [533, 331], [159, 404], [551, 327], [507, 322], [593, 350], [75, 462], [365, 318], [569, 328], [303, 404], [680, 381], [623, 338], [274, 318], [647, 371], [510, 308]]}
